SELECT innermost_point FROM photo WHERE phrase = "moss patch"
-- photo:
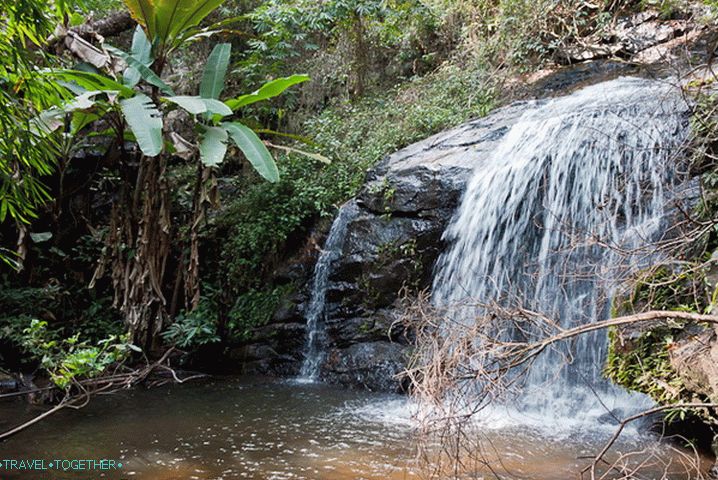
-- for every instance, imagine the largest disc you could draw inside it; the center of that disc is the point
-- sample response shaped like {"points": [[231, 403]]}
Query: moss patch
{"points": [[643, 364]]}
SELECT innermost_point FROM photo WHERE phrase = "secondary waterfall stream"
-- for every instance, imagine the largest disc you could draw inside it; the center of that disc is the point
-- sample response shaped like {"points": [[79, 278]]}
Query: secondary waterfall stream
{"points": [[313, 352], [555, 217]]}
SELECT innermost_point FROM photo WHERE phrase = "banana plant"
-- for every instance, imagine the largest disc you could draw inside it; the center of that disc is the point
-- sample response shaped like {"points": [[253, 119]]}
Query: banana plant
{"points": [[171, 23], [143, 114], [130, 95]]}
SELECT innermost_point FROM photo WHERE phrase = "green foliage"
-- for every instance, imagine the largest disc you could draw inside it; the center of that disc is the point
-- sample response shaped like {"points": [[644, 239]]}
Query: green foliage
{"points": [[256, 226], [193, 329], [269, 90], [69, 311], [345, 45], [644, 365], [25, 154], [253, 149], [367, 130], [102, 6], [682, 288], [524, 33], [144, 117], [254, 308], [70, 359], [171, 23], [214, 74], [213, 146]]}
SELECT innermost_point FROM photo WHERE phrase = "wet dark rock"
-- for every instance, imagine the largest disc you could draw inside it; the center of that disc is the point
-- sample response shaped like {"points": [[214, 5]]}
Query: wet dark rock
{"points": [[572, 77], [270, 350], [274, 348], [631, 37], [373, 366], [8, 383], [392, 243]]}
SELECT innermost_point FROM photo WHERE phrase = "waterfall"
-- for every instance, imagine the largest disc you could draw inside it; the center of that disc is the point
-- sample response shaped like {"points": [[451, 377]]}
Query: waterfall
{"points": [[313, 351], [572, 176]]}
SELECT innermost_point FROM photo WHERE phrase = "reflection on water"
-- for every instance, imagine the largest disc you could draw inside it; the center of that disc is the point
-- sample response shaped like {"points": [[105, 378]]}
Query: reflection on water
{"points": [[256, 428]]}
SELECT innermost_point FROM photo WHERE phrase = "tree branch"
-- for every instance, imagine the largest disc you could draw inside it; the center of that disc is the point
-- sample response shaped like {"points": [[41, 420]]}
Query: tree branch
{"points": [[109, 26]]}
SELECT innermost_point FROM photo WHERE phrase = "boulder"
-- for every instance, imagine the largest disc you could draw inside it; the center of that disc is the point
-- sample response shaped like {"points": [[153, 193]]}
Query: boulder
{"points": [[695, 360], [372, 366], [393, 240], [8, 383], [644, 37]]}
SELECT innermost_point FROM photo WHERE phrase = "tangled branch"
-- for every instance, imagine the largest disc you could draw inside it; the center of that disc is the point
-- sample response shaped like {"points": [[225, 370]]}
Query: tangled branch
{"points": [[81, 391], [462, 368]]}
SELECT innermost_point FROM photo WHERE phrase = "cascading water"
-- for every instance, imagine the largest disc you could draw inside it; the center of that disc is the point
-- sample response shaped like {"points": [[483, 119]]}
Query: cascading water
{"points": [[313, 351], [572, 176]]}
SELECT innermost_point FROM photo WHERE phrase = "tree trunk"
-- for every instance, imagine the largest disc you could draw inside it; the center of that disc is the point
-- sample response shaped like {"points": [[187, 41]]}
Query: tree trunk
{"points": [[140, 242], [205, 196], [360, 62], [109, 26]]}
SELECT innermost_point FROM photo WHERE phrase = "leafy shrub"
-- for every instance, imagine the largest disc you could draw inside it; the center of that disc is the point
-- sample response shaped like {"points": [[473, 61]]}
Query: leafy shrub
{"points": [[193, 329], [68, 310], [525, 33], [646, 367], [71, 359], [347, 46], [254, 308]]}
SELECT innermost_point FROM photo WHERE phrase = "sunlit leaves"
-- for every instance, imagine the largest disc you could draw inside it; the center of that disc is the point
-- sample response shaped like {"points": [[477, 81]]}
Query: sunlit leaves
{"points": [[198, 105], [144, 71], [145, 121], [141, 51], [213, 146], [169, 21], [268, 90], [53, 118], [91, 81], [214, 71], [253, 148]]}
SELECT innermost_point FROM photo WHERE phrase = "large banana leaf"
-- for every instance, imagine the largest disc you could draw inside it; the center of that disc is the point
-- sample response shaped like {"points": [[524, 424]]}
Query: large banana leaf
{"points": [[215, 70], [198, 105], [167, 20], [253, 148], [213, 146], [53, 118], [147, 75], [145, 121], [142, 51], [268, 90], [92, 81]]}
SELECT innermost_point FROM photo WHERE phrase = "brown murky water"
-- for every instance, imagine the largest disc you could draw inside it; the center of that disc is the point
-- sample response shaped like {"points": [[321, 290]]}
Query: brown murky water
{"points": [[256, 428]]}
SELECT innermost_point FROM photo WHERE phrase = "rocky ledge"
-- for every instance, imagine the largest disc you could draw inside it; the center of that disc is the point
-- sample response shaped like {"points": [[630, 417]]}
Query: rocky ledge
{"points": [[392, 242], [393, 238]]}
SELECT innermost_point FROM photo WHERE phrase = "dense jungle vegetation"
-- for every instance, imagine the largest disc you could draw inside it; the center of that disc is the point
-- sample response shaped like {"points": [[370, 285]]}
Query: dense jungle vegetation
{"points": [[155, 180]]}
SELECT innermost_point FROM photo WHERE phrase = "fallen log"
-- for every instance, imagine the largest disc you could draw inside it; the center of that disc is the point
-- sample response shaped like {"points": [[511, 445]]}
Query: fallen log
{"points": [[112, 25]]}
